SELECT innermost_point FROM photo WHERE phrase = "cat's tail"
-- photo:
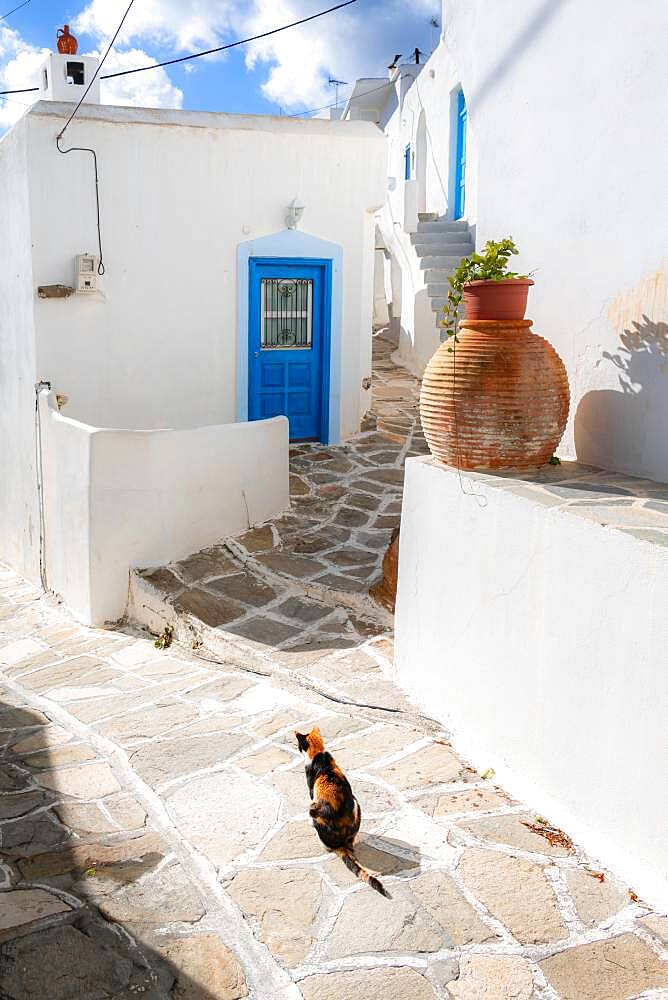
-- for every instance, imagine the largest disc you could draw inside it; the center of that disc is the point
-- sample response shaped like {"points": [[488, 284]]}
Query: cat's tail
{"points": [[347, 855]]}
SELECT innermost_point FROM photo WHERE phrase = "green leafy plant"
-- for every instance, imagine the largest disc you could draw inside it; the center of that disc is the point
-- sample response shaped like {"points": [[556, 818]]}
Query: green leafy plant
{"points": [[164, 641], [490, 265]]}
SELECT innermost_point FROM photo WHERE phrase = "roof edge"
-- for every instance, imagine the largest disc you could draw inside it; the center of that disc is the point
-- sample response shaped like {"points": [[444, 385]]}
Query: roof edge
{"points": [[117, 114]]}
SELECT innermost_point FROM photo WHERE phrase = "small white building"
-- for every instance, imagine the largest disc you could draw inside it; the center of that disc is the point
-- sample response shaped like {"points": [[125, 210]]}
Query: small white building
{"points": [[237, 291]]}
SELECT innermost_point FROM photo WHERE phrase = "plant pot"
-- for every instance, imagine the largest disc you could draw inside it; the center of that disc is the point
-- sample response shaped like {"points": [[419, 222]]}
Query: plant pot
{"points": [[505, 299], [496, 400]]}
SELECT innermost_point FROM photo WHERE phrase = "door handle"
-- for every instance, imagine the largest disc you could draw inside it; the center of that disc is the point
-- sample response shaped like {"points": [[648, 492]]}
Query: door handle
{"points": [[256, 354]]}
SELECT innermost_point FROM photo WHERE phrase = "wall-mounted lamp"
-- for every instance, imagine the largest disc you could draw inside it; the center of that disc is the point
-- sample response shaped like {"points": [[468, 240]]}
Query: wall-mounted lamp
{"points": [[295, 212]]}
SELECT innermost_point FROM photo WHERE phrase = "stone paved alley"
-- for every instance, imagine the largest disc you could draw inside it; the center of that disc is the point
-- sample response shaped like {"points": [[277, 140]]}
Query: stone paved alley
{"points": [[153, 809]]}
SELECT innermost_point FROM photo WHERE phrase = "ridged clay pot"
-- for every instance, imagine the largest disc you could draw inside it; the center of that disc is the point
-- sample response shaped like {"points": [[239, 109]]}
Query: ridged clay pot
{"points": [[498, 400], [505, 299]]}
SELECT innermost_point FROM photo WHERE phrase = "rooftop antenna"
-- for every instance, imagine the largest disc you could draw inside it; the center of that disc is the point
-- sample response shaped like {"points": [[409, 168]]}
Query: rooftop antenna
{"points": [[336, 84], [434, 24]]}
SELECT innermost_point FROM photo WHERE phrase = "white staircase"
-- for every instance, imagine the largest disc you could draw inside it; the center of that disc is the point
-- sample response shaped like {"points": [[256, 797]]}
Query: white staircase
{"points": [[440, 245]]}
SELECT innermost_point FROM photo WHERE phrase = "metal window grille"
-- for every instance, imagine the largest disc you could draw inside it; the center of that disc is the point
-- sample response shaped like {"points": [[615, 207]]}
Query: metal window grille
{"points": [[287, 313]]}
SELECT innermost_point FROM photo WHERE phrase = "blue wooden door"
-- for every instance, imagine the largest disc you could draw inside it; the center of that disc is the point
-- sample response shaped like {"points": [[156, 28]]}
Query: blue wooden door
{"points": [[287, 346], [460, 158]]}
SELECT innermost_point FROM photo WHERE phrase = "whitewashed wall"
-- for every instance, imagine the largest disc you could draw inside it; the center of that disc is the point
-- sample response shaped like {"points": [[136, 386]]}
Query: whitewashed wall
{"points": [[565, 152], [565, 101], [155, 347], [116, 499], [380, 299], [540, 639], [19, 519], [66, 464]]}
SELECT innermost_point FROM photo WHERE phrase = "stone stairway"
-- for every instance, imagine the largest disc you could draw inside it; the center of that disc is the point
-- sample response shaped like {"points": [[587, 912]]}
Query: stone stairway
{"points": [[440, 245]]}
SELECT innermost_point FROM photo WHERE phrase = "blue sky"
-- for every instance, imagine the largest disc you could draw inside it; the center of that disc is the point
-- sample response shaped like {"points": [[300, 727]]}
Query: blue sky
{"points": [[286, 73]]}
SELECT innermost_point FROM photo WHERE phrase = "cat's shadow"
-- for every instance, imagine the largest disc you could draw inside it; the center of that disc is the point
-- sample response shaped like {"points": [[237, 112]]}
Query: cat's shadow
{"points": [[386, 856]]}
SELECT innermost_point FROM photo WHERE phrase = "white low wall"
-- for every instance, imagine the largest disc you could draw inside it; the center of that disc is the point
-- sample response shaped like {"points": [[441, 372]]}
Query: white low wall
{"points": [[116, 499], [539, 638]]}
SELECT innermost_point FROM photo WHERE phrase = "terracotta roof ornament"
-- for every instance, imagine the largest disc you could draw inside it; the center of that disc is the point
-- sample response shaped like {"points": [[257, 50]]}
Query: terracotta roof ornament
{"points": [[67, 43]]}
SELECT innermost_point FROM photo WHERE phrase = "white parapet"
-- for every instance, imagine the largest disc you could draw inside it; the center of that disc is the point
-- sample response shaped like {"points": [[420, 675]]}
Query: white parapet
{"points": [[116, 499], [532, 620]]}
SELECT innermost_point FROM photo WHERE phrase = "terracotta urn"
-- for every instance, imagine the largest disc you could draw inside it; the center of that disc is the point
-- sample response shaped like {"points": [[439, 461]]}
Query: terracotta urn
{"points": [[505, 299], [67, 43], [498, 399]]}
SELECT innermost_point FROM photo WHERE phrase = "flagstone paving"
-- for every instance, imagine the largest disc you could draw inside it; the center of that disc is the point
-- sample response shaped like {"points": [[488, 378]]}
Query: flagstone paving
{"points": [[154, 835], [345, 502], [300, 583], [154, 840]]}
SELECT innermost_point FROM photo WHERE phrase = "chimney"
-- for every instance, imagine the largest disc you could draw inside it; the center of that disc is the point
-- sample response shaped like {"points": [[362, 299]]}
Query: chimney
{"points": [[64, 76]]}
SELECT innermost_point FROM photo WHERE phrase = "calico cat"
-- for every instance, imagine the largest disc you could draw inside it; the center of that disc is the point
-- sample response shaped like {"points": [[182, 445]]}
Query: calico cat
{"points": [[335, 811]]}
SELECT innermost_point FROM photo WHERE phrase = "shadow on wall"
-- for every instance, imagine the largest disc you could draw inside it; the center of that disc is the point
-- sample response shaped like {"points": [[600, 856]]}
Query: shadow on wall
{"points": [[624, 426], [535, 26], [77, 917]]}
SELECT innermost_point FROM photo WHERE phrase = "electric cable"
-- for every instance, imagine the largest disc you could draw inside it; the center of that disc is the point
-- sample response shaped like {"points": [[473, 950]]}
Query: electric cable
{"points": [[87, 149], [230, 45], [326, 107], [207, 52], [96, 73], [25, 3]]}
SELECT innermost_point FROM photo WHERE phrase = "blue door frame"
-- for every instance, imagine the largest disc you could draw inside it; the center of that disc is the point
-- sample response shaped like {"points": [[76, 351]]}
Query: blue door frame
{"points": [[292, 381], [460, 157], [407, 163]]}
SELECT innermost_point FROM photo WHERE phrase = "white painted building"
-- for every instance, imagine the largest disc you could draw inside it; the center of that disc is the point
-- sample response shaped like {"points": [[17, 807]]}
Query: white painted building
{"points": [[531, 617], [238, 285], [565, 150]]}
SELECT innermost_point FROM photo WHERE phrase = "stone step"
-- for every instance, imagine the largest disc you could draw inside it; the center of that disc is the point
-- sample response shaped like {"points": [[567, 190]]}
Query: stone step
{"points": [[440, 274], [438, 241], [439, 261], [458, 236], [437, 303], [442, 226], [427, 216], [458, 250], [438, 288]]}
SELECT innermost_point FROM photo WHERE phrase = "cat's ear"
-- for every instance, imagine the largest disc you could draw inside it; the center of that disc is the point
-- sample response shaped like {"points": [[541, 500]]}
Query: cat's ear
{"points": [[302, 742], [316, 744]]}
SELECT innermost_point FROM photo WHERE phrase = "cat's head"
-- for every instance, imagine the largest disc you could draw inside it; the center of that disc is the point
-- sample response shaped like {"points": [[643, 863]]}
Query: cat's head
{"points": [[311, 743]]}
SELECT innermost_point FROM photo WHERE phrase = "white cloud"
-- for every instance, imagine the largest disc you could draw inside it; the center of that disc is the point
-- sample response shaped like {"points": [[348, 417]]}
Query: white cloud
{"points": [[152, 89], [19, 63], [198, 25]]}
